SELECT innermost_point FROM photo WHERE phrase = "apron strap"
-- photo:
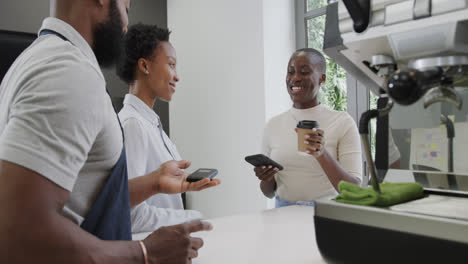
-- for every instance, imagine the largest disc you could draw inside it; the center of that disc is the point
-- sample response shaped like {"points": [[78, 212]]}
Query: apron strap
{"points": [[109, 216], [51, 32]]}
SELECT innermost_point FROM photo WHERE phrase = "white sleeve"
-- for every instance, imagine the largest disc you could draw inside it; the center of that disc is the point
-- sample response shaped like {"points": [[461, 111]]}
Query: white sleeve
{"points": [[349, 148], [136, 147], [54, 120], [147, 218]]}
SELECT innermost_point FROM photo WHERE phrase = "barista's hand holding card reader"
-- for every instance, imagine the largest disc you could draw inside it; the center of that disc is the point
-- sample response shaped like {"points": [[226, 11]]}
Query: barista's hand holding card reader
{"points": [[202, 173]]}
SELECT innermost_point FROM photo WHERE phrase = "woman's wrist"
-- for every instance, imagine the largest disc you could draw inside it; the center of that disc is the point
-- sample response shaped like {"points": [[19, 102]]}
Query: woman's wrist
{"points": [[271, 181], [154, 181], [323, 156], [268, 187]]}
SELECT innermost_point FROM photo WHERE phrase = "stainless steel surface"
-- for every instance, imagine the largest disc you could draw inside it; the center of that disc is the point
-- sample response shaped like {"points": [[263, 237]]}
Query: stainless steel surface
{"points": [[385, 65], [372, 169], [421, 9], [382, 60], [398, 220], [421, 39], [386, 110], [418, 46], [439, 61], [444, 120], [443, 94]]}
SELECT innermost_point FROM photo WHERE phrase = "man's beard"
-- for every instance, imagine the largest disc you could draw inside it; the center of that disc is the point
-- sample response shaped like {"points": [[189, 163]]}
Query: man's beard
{"points": [[108, 38]]}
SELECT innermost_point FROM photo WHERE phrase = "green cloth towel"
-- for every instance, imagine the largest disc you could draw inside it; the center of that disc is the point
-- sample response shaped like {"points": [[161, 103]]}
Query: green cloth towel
{"points": [[391, 193]]}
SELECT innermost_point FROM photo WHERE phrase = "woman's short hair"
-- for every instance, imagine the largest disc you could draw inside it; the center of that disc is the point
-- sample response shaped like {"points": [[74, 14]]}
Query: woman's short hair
{"points": [[140, 42], [317, 56]]}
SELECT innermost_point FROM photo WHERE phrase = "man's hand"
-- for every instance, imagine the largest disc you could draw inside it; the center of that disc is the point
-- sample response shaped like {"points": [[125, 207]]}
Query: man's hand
{"points": [[170, 178], [173, 244]]}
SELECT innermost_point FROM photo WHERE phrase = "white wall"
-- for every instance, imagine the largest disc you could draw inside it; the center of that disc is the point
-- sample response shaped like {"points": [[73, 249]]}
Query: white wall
{"points": [[279, 44], [231, 61], [23, 15]]}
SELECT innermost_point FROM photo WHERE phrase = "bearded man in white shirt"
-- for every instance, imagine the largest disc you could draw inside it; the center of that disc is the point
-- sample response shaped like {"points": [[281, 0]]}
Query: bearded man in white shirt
{"points": [[64, 191]]}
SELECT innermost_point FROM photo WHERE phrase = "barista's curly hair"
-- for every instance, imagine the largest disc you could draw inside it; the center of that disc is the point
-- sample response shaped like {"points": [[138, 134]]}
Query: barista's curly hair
{"points": [[139, 42]]}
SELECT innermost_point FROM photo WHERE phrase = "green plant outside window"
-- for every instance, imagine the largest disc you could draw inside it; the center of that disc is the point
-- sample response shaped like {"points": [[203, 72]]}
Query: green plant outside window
{"points": [[333, 92], [314, 4]]}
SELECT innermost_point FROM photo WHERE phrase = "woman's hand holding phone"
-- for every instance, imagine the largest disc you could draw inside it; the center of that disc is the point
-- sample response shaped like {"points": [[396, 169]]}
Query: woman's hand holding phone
{"points": [[265, 173], [170, 178], [265, 168]]}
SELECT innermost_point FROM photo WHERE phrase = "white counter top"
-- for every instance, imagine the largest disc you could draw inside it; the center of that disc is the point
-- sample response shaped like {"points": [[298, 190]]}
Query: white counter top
{"points": [[277, 236]]}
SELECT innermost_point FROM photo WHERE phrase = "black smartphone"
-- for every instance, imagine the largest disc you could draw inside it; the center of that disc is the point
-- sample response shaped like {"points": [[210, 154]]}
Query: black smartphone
{"points": [[202, 173], [261, 160]]}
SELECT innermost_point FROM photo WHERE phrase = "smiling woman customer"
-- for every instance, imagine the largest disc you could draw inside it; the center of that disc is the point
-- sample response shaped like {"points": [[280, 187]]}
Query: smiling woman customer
{"points": [[334, 149]]}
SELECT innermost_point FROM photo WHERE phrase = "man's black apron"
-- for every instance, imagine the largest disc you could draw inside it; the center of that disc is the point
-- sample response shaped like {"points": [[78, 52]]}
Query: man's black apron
{"points": [[109, 216]]}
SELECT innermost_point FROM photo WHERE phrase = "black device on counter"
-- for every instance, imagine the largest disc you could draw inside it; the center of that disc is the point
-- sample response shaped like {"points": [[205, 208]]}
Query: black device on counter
{"points": [[261, 160], [202, 173]]}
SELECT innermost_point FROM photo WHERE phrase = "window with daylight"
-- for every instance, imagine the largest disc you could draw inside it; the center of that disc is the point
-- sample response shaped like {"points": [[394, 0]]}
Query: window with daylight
{"points": [[315, 4], [333, 92]]}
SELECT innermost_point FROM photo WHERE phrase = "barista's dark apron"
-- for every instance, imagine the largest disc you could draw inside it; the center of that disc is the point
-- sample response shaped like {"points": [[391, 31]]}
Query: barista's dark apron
{"points": [[109, 216]]}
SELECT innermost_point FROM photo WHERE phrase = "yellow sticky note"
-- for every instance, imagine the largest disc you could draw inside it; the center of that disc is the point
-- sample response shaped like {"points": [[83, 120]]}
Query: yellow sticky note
{"points": [[433, 146]]}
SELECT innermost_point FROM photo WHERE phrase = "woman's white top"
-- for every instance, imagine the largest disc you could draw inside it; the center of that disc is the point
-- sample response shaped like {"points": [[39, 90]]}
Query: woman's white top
{"points": [[302, 178], [145, 145]]}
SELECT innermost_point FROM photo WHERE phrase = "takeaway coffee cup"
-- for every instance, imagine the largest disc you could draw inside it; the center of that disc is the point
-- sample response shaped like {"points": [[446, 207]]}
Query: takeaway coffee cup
{"points": [[304, 127]]}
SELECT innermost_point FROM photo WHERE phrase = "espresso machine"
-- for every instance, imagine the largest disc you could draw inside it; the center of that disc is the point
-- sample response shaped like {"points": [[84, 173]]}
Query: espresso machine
{"points": [[414, 55]]}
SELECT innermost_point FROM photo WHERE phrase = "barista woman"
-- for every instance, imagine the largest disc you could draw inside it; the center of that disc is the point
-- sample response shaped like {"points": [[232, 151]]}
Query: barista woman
{"points": [[149, 67]]}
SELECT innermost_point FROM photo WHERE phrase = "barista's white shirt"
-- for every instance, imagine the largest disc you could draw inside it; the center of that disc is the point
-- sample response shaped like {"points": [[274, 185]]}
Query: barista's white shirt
{"points": [[302, 178], [145, 153], [57, 119]]}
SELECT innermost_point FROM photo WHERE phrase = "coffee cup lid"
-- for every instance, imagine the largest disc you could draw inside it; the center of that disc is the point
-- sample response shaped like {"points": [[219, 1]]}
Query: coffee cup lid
{"points": [[307, 124]]}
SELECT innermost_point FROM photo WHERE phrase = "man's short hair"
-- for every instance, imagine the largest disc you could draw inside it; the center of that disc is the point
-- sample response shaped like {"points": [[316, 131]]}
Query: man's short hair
{"points": [[140, 42], [316, 56]]}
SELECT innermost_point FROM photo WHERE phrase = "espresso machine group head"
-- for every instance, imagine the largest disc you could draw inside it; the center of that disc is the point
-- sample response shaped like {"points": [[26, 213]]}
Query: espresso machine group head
{"points": [[432, 78]]}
